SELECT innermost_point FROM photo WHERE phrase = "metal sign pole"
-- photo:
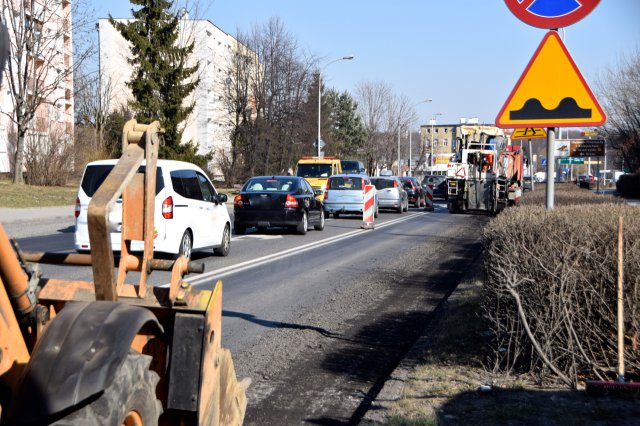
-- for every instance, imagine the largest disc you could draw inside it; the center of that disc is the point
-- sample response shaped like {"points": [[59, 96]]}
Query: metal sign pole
{"points": [[551, 161], [531, 165]]}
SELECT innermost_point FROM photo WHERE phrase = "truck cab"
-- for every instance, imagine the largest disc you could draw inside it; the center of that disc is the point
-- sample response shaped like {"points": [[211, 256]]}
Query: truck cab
{"points": [[317, 170]]}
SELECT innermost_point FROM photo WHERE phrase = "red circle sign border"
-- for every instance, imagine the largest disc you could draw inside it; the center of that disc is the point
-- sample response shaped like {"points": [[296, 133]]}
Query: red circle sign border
{"points": [[519, 9]]}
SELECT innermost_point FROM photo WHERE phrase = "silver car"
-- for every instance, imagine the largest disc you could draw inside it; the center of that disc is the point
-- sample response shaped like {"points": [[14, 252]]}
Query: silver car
{"points": [[391, 194], [345, 194]]}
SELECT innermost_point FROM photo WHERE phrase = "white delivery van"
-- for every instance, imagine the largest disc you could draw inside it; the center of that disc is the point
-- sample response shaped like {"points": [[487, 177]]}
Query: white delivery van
{"points": [[189, 214]]}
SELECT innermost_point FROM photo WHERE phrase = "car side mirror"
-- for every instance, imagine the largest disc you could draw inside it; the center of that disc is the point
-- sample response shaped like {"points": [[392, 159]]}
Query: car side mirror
{"points": [[317, 191], [221, 198]]}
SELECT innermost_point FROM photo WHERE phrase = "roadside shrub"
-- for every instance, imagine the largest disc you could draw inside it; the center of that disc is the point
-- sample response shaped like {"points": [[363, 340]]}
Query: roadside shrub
{"points": [[629, 186], [550, 291], [566, 194], [48, 158]]}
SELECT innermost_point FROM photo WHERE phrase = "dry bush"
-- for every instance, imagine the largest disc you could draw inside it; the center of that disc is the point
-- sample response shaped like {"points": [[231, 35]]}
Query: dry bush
{"points": [[566, 194], [550, 291], [48, 158]]}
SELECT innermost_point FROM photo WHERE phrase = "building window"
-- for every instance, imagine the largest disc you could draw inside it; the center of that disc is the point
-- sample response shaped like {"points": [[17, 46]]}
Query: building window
{"points": [[435, 143], [436, 130], [445, 142]]}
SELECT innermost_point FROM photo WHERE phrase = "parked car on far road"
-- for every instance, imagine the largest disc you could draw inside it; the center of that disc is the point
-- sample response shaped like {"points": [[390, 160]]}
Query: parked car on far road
{"points": [[345, 195], [277, 201], [391, 194], [414, 190], [439, 184]]}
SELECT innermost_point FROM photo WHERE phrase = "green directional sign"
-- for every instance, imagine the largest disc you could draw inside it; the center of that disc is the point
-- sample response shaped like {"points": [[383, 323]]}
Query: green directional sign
{"points": [[571, 160]]}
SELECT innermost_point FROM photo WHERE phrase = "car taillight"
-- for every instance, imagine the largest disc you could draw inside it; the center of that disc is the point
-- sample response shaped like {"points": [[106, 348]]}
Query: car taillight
{"points": [[237, 201], [290, 202], [167, 208], [77, 212], [395, 184], [326, 190], [363, 186]]}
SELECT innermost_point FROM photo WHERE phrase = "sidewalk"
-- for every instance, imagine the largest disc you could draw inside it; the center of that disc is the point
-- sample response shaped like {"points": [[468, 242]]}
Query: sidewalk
{"points": [[37, 221], [31, 214]]}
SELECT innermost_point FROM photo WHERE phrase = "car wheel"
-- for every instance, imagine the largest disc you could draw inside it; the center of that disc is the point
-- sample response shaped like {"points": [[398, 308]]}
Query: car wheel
{"points": [[225, 245], [186, 244], [239, 229], [417, 203], [302, 226], [376, 213], [400, 209], [320, 226], [336, 215], [262, 229]]}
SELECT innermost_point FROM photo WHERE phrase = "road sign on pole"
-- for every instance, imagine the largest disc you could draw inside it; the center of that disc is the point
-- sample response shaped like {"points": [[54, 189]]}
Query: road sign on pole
{"points": [[528, 133], [551, 13], [551, 92]]}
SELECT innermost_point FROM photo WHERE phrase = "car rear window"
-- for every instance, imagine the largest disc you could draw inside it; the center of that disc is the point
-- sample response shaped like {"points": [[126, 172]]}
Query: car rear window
{"points": [[351, 166], [94, 175], [313, 170], [382, 183], [346, 183], [271, 184]]}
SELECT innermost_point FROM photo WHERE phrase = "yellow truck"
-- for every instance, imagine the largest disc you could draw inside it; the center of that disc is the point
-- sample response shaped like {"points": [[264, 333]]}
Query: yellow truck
{"points": [[316, 170]]}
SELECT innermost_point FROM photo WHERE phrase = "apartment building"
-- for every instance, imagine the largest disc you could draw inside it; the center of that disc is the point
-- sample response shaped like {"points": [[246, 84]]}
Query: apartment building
{"points": [[440, 145], [209, 125], [42, 65]]}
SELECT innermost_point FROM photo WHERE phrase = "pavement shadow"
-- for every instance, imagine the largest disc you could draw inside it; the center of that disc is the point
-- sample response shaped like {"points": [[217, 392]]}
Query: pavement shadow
{"points": [[277, 324]]}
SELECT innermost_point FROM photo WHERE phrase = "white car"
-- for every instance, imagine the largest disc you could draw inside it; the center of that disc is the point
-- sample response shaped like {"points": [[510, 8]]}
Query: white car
{"points": [[189, 214]]}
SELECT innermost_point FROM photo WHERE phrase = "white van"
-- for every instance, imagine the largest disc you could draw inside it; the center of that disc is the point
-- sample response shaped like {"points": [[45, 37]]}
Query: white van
{"points": [[189, 214]]}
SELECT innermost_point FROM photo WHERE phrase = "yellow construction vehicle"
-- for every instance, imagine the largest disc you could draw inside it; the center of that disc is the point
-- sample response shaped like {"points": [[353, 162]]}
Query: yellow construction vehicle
{"points": [[108, 352]]}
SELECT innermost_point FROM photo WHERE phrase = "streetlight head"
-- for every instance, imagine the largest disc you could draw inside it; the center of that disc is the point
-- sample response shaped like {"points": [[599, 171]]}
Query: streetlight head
{"points": [[348, 57]]}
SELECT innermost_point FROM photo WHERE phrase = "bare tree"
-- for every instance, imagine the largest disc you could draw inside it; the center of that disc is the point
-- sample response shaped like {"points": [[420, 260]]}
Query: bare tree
{"points": [[41, 64], [373, 100], [280, 87], [92, 102], [619, 90]]}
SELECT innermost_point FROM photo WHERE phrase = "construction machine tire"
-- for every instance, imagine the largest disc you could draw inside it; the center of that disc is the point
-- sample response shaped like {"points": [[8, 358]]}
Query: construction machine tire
{"points": [[129, 400]]}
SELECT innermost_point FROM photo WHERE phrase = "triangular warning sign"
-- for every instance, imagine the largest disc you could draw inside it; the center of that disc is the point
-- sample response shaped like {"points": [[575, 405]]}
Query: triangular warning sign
{"points": [[551, 92]]}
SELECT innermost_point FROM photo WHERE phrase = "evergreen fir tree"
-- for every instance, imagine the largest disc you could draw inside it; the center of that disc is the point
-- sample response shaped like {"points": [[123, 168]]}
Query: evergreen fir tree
{"points": [[161, 79]]}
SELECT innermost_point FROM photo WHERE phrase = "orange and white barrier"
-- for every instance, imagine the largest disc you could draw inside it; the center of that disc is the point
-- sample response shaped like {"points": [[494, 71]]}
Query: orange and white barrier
{"points": [[369, 207], [428, 198]]}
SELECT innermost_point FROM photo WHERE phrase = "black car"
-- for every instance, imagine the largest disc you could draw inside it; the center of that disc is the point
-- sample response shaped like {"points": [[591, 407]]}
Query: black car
{"points": [[439, 184], [277, 201], [415, 192]]}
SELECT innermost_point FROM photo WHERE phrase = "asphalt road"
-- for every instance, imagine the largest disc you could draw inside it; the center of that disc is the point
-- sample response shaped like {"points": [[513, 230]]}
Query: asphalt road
{"points": [[305, 315]]}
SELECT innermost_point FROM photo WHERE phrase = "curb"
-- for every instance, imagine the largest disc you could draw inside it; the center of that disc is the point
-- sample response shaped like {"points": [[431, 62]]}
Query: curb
{"points": [[394, 388]]}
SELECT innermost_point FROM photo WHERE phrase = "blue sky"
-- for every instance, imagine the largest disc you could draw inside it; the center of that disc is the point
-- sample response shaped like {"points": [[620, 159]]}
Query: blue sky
{"points": [[466, 55]]}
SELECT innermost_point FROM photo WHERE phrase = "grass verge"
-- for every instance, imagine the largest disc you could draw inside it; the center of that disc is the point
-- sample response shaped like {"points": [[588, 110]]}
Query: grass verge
{"points": [[19, 196]]}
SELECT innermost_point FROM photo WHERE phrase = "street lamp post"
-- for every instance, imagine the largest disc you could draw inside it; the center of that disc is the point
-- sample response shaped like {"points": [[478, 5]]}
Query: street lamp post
{"points": [[432, 122], [344, 58], [421, 102]]}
